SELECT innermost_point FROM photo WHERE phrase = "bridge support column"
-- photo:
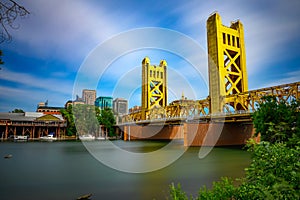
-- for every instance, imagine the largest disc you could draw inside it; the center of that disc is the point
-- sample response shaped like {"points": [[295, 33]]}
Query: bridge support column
{"points": [[153, 132], [218, 134], [125, 136]]}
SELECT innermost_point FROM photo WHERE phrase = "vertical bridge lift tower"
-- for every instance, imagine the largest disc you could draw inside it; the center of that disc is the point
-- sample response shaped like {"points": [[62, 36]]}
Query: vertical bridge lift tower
{"points": [[154, 89], [227, 65]]}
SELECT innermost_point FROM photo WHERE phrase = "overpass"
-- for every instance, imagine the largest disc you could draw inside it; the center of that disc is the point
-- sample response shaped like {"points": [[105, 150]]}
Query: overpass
{"points": [[224, 117]]}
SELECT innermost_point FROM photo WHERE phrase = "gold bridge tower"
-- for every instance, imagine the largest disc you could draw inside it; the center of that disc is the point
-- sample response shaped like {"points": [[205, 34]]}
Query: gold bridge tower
{"points": [[154, 89], [227, 64]]}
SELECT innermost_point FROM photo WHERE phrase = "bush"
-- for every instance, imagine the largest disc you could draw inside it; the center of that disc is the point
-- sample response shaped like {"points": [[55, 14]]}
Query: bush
{"points": [[277, 121], [274, 173], [223, 189], [177, 193]]}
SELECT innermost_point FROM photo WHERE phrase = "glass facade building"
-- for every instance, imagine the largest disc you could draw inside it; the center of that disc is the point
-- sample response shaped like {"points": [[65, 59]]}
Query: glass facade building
{"points": [[104, 102]]}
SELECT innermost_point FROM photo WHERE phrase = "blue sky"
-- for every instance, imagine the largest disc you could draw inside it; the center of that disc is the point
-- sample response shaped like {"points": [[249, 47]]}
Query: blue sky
{"points": [[53, 43]]}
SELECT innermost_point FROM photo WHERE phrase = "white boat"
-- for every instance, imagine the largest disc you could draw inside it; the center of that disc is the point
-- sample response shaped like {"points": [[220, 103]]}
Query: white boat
{"points": [[21, 138], [48, 138], [87, 137], [100, 138]]}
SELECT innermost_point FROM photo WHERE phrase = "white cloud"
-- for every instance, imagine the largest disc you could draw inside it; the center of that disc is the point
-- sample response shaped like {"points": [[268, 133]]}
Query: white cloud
{"points": [[289, 77], [267, 42], [27, 100], [61, 86], [64, 28], [268, 32]]}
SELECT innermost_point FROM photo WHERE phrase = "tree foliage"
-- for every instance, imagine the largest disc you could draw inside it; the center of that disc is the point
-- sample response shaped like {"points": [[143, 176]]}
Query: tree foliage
{"points": [[85, 117], [18, 111], [223, 189], [107, 119], [277, 121], [177, 193], [69, 117], [274, 172], [9, 12]]}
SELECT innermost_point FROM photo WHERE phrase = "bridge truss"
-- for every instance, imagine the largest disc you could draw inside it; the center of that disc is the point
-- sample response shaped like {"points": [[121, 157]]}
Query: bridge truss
{"points": [[192, 109]]}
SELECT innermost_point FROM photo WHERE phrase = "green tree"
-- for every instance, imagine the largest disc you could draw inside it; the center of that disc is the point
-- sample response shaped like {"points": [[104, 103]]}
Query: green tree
{"points": [[107, 119], [18, 111], [69, 117], [9, 12], [86, 120], [277, 121]]}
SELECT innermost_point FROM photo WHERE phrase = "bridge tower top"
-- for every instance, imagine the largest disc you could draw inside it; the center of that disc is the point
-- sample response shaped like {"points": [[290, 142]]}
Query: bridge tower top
{"points": [[154, 86], [226, 62]]}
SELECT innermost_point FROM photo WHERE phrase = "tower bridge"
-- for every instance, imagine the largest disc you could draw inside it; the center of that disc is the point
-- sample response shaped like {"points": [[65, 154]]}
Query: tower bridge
{"points": [[226, 110]]}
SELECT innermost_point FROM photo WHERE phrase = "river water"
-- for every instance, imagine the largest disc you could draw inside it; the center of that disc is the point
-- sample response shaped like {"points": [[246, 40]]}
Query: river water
{"points": [[66, 170]]}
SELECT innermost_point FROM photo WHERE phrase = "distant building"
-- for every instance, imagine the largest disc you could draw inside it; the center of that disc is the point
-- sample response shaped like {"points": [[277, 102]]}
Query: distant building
{"points": [[135, 109], [104, 102], [182, 101], [89, 96], [77, 101], [45, 109], [31, 124], [120, 106]]}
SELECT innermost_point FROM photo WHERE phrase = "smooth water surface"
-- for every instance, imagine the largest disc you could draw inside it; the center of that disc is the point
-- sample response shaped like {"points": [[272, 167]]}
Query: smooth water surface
{"points": [[66, 170]]}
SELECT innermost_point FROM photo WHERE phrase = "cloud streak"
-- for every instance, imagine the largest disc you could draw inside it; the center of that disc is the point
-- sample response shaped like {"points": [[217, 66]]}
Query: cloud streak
{"points": [[12, 98], [67, 28], [28, 80], [289, 77]]}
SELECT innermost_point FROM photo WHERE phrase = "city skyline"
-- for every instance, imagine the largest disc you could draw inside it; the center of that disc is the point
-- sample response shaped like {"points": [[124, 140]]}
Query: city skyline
{"points": [[48, 48]]}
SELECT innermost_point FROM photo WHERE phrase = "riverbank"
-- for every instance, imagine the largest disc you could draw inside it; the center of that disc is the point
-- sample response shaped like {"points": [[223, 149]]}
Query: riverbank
{"points": [[61, 139]]}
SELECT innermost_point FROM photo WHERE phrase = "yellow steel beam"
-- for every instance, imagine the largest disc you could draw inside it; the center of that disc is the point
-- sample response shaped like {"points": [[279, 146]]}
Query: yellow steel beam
{"points": [[154, 88], [227, 63]]}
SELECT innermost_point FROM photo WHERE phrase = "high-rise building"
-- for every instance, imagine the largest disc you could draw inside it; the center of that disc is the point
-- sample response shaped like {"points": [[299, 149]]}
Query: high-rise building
{"points": [[89, 96], [104, 102], [120, 106]]}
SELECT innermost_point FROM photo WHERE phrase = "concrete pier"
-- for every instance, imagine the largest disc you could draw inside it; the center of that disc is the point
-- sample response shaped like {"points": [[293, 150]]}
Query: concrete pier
{"points": [[194, 134]]}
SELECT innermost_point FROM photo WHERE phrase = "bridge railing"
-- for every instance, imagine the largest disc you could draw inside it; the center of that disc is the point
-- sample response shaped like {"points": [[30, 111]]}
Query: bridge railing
{"points": [[251, 99]]}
